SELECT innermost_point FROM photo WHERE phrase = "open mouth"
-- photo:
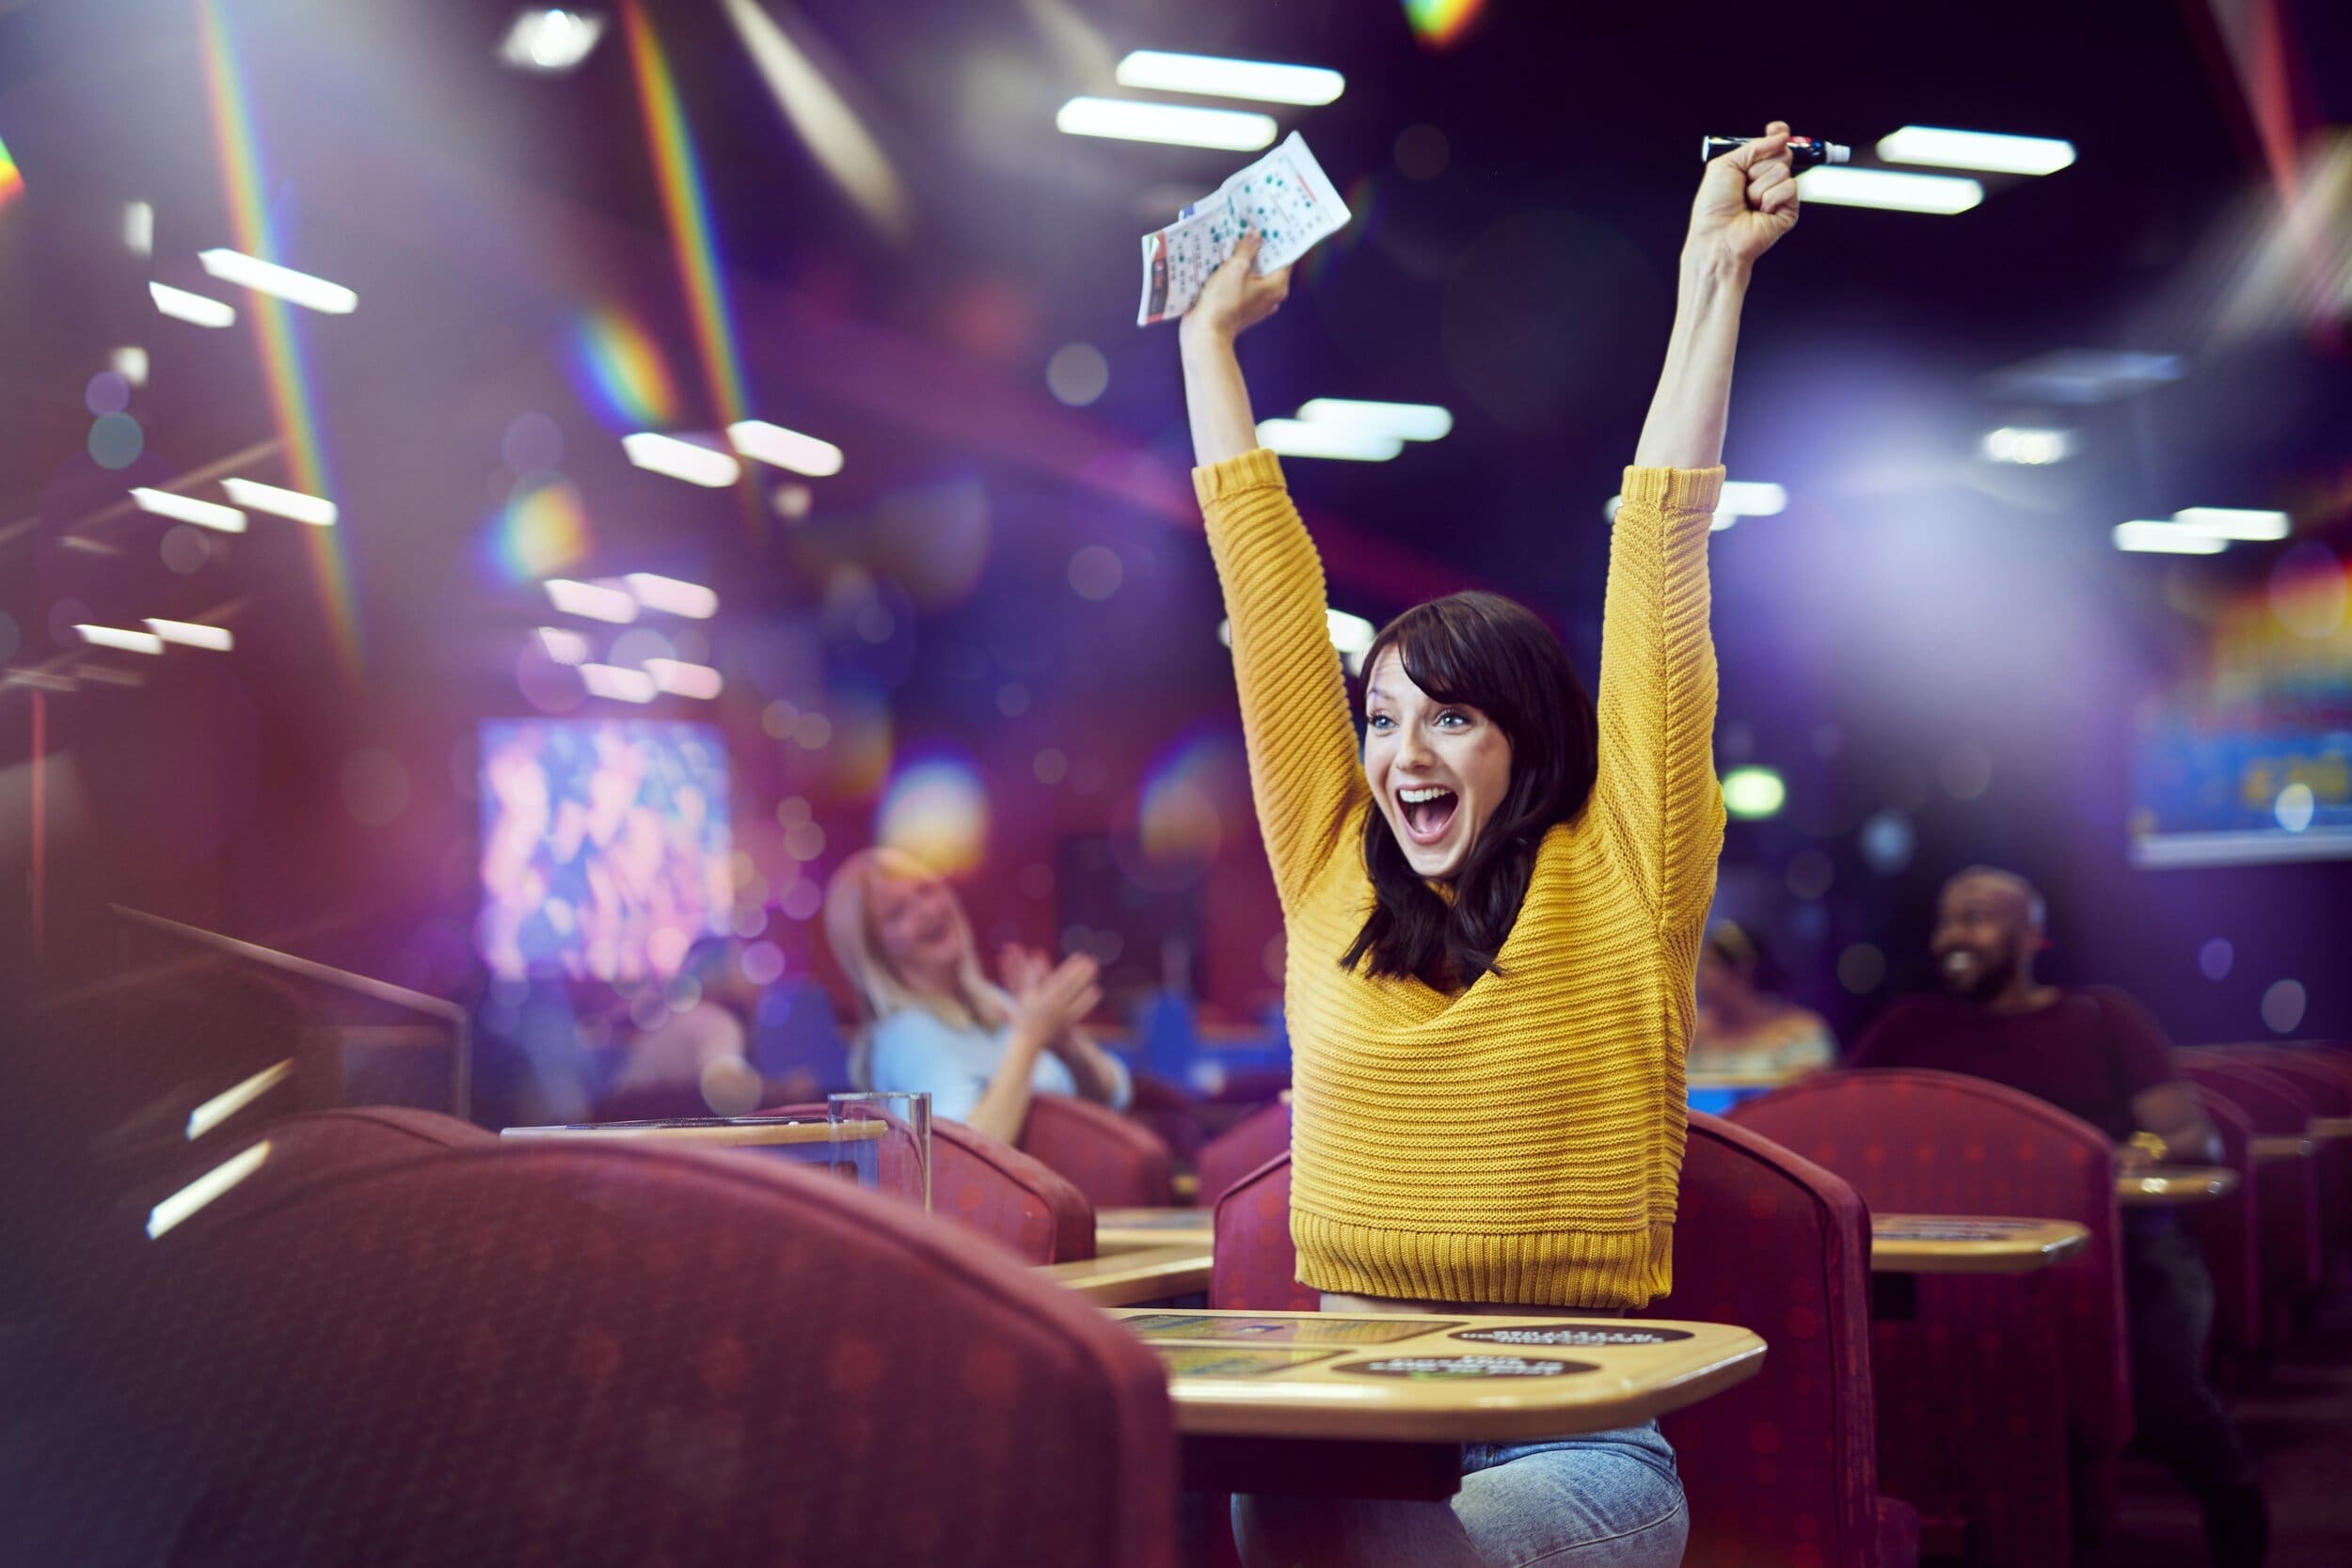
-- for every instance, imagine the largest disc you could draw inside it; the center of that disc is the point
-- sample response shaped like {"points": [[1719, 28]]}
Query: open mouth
{"points": [[1426, 812]]}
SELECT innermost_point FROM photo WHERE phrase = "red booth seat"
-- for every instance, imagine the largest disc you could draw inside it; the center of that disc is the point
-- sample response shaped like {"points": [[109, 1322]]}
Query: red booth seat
{"points": [[1118, 1164], [564, 1355], [1241, 1148]]}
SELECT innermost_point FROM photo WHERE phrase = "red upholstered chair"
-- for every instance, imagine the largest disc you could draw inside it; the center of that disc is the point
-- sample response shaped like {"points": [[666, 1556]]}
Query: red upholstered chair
{"points": [[1783, 1469], [562, 1354], [1780, 1470], [1998, 1381], [2325, 1079], [2287, 1193], [991, 1187], [2228, 1230], [1256, 1267], [1171, 1113], [1241, 1148], [1116, 1162]]}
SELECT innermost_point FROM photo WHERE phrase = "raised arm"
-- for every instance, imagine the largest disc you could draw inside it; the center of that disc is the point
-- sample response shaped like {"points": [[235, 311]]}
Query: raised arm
{"points": [[1304, 771], [1657, 795]]}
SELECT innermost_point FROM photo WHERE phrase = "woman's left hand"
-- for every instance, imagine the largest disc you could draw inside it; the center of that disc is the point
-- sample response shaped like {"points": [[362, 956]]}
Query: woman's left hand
{"points": [[1747, 198]]}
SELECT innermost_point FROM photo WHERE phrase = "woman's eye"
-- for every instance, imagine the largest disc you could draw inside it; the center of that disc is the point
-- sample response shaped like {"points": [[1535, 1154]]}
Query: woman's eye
{"points": [[1455, 719], [1377, 722]]}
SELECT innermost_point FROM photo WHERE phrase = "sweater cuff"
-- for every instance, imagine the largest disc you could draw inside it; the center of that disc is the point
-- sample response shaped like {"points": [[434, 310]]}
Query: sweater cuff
{"points": [[1675, 489], [1255, 470]]}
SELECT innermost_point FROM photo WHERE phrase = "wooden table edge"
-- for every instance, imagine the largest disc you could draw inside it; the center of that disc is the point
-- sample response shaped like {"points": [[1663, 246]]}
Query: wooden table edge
{"points": [[1524, 1423], [757, 1136], [1127, 1277]]}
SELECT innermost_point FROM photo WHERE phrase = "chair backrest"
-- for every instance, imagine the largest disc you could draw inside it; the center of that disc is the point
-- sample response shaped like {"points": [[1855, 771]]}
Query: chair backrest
{"points": [[2276, 1105], [1941, 1143], [2229, 1232], [1784, 1467], [2302, 1204], [560, 1354], [1116, 1162], [1256, 1267], [1243, 1148], [2323, 1078], [991, 1187]]}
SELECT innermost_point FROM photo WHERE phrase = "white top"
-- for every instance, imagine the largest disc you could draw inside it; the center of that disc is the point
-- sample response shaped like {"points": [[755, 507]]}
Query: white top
{"points": [[915, 1049]]}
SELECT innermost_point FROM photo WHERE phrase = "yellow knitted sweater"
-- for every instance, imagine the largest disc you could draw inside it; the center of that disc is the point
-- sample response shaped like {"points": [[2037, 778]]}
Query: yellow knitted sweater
{"points": [[1520, 1140]]}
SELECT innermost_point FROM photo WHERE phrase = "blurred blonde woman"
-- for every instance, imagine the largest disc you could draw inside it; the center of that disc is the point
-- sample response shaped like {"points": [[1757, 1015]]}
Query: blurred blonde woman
{"points": [[935, 1022]]}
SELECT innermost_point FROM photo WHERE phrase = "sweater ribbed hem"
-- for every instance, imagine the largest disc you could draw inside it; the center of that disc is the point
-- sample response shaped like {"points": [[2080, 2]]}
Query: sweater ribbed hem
{"points": [[1549, 1268], [1255, 470], [1673, 490]]}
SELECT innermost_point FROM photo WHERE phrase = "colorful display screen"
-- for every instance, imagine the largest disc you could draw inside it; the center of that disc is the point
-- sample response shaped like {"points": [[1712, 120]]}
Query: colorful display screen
{"points": [[606, 849]]}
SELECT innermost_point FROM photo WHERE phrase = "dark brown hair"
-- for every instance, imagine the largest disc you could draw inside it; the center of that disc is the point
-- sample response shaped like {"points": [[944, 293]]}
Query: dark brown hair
{"points": [[1492, 653]]}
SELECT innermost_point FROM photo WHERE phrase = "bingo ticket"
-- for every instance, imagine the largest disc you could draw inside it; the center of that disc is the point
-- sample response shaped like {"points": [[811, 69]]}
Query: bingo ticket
{"points": [[1284, 196]]}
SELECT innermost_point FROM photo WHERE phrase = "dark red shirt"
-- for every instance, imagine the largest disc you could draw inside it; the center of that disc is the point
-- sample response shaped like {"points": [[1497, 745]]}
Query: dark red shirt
{"points": [[2088, 1054]]}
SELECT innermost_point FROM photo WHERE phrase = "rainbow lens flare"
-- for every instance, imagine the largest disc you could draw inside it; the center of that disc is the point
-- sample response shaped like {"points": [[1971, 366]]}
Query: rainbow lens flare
{"points": [[542, 529], [936, 810], [687, 213], [619, 372], [282, 366], [11, 177], [1441, 22]]}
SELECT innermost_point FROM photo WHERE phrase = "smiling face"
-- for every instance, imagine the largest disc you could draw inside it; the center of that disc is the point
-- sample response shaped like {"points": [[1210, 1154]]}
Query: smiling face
{"points": [[1438, 770], [1985, 934], [918, 930]]}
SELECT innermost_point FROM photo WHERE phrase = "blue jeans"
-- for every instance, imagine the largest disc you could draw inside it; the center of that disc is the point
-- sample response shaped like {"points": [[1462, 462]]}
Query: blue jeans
{"points": [[1607, 1499]]}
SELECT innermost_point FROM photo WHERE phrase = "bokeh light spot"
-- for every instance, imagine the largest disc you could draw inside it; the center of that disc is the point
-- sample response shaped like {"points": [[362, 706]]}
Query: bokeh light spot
{"points": [[801, 900], [1966, 773], [1077, 375], [2307, 591], [1888, 841], [936, 810], [185, 547], [1095, 572], [2216, 958], [2283, 1007], [107, 393], [1052, 766], [762, 963], [1754, 793], [2294, 807], [115, 440], [1861, 968]]}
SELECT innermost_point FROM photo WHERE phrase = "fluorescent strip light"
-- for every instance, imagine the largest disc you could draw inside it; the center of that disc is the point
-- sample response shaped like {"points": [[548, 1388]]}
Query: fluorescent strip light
{"points": [[564, 647], [205, 1188], [197, 309], [2229, 522], [1209, 77], [315, 510], [1177, 125], [1298, 439], [549, 42], [268, 278], [680, 679], [1752, 499], [113, 637], [138, 228], [691, 461], [192, 634], [1926, 143], [786, 449], [1350, 634], [230, 1100], [2166, 539], [131, 364], [188, 509], [612, 680], [2025, 445], [1885, 189], [592, 600], [672, 597], [1407, 422]]}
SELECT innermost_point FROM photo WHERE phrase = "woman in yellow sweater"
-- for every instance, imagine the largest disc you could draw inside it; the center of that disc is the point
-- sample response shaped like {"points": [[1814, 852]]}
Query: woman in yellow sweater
{"points": [[1494, 911]]}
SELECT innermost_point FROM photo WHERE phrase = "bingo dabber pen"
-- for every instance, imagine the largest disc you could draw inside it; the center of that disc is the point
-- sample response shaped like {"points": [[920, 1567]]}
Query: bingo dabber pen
{"points": [[1803, 151]]}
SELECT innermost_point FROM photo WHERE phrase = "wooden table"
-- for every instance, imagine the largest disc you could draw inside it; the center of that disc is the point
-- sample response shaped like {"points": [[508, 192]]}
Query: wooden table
{"points": [[2281, 1146], [1125, 1229], [1379, 1405], [709, 1133], [1138, 1274], [1970, 1244], [2173, 1186], [2325, 1128]]}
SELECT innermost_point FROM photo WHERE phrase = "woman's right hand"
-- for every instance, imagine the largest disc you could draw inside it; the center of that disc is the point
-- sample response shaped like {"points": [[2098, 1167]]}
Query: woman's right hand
{"points": [[1236, 298], [1047, 1003]]}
